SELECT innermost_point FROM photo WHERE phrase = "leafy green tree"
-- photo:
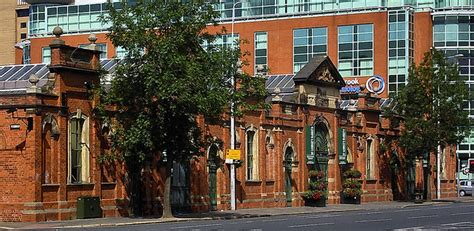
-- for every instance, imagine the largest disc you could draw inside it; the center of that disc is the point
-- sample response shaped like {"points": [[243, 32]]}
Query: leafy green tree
{"points": [[432, 107], [165, 82]]}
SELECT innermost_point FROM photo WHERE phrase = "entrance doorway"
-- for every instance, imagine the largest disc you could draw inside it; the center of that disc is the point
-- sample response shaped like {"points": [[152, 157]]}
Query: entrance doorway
{"points": [[212, 164], [321, 149], [180, 200]]}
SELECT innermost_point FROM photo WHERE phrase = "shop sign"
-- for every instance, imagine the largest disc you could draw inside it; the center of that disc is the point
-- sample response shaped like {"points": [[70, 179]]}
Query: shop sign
{"points": [[375, 84], [352, 87], [342, 145], [310, 157]]}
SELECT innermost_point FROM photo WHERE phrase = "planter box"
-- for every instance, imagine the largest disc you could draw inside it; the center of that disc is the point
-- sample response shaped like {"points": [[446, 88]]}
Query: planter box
{"points": [[351, 200], [316, 203]]}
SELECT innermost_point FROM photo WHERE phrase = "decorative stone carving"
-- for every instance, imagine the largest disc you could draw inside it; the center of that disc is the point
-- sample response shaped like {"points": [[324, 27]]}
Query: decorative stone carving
{"points": [[311, 99], [325, 76], [49, 119], [49, 86], [33, 81], [269, 140], [276, 95]]}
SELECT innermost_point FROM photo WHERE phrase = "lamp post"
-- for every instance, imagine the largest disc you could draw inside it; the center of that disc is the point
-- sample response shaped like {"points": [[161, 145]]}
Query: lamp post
{"points": [[232, 124]]}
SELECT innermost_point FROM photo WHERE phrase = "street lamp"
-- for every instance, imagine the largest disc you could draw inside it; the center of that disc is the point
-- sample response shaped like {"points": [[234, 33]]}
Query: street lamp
{"points": [[232, 122]]}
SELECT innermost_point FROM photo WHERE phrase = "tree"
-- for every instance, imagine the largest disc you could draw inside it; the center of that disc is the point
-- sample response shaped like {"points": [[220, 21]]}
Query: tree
{"points": [[166, 81], [432, 107]]}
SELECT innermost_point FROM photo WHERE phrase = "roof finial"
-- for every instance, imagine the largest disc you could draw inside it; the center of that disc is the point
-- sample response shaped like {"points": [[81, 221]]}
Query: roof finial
{"points": [[33, 79], [92, 39], [58, 31]]}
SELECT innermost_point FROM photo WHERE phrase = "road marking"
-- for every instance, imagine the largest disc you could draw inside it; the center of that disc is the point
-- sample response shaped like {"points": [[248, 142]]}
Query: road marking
{"points": [[410, 228], [426, 216], [321, 216], [274, 220], [308, 225], [376, 220], [240, 222], [194, 226], [369, 213], [455, 214], [457, 224], [408, 210]]}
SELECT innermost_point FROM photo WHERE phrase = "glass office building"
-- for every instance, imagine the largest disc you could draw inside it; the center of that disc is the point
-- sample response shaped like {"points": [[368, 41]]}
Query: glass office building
{"points": [[454, 34], [354, 52]]}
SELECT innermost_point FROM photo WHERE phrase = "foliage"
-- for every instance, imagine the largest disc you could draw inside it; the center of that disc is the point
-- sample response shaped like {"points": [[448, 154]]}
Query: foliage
{"points": [[166, 80], [432, 105], [351, 187], [352, 173], [317, 186]]}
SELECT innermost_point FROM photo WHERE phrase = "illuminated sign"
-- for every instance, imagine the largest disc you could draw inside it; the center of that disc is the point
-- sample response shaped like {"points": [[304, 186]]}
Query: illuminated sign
{"points": [[375, 84]]}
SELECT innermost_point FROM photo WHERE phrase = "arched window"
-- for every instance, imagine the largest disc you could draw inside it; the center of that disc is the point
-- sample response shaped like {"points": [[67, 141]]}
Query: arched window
{"points": [[251, 150], [443, 163], [370, 160], [78, 158]]}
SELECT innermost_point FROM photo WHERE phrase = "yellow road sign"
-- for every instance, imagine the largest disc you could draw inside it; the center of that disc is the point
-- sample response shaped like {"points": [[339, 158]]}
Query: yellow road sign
{"points": [[233, 154]]}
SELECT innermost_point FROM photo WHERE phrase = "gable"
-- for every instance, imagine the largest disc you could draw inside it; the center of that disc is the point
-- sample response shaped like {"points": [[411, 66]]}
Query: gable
{"points": [[321, 71]]}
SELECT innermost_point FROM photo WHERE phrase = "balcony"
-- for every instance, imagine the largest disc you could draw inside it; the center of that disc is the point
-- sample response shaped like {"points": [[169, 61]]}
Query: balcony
{"points": [[22, 4]]}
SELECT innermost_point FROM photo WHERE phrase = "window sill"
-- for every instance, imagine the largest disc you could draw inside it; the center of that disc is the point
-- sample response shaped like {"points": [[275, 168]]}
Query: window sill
{"points": [[81, 184], [253, 181], [50, 185], [371, 181], [108, 183]]}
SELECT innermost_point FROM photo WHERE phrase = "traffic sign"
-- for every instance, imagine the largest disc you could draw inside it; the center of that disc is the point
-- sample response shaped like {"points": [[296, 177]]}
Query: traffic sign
{"points": [[471, 165]]}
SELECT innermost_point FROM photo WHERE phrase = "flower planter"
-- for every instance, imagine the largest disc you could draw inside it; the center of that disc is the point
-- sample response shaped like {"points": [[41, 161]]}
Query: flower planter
{"points": [[351, 200], [316, 203]]}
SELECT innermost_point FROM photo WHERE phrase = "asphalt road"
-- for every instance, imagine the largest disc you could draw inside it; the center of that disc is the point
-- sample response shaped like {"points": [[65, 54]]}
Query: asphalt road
{"points": [[456, 216]]}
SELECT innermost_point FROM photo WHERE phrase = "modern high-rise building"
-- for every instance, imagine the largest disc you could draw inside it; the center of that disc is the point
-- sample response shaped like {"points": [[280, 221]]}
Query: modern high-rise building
{"points": [[13, 29], [364, 38]]}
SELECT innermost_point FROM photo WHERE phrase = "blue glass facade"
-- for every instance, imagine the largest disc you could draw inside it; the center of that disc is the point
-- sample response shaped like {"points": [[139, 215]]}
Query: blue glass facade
{"points": [[83, 18], [454, 34], [400, 47]]}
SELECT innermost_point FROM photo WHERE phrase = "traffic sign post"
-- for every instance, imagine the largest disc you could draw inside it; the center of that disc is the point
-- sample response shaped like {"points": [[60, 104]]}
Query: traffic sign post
{"points": [[230, 157]]}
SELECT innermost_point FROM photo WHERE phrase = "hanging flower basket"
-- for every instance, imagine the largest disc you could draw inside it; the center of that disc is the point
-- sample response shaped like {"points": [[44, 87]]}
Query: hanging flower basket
{"points": [[316, 195], [351, 187]]}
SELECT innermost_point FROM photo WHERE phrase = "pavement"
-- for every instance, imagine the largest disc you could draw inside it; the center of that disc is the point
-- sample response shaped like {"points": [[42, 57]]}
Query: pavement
{"points": [[221, 215]]}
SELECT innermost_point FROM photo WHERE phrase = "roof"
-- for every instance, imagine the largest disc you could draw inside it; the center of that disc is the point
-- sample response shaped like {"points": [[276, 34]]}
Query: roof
{"points": [[316, 62], [284, 83], [14, 78]]}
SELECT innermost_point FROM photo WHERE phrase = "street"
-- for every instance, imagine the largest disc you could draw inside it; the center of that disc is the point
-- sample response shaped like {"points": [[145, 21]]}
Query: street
{"points": [[453, 216]]}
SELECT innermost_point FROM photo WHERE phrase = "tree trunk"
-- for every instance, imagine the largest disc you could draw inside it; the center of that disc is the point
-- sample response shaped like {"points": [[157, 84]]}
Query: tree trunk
{"points": [[135, 191], [167, 213], [428, 179]]}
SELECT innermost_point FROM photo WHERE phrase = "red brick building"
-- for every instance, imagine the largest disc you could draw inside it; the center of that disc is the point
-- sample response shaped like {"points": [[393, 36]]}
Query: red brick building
{"points": [[51, 145]]}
